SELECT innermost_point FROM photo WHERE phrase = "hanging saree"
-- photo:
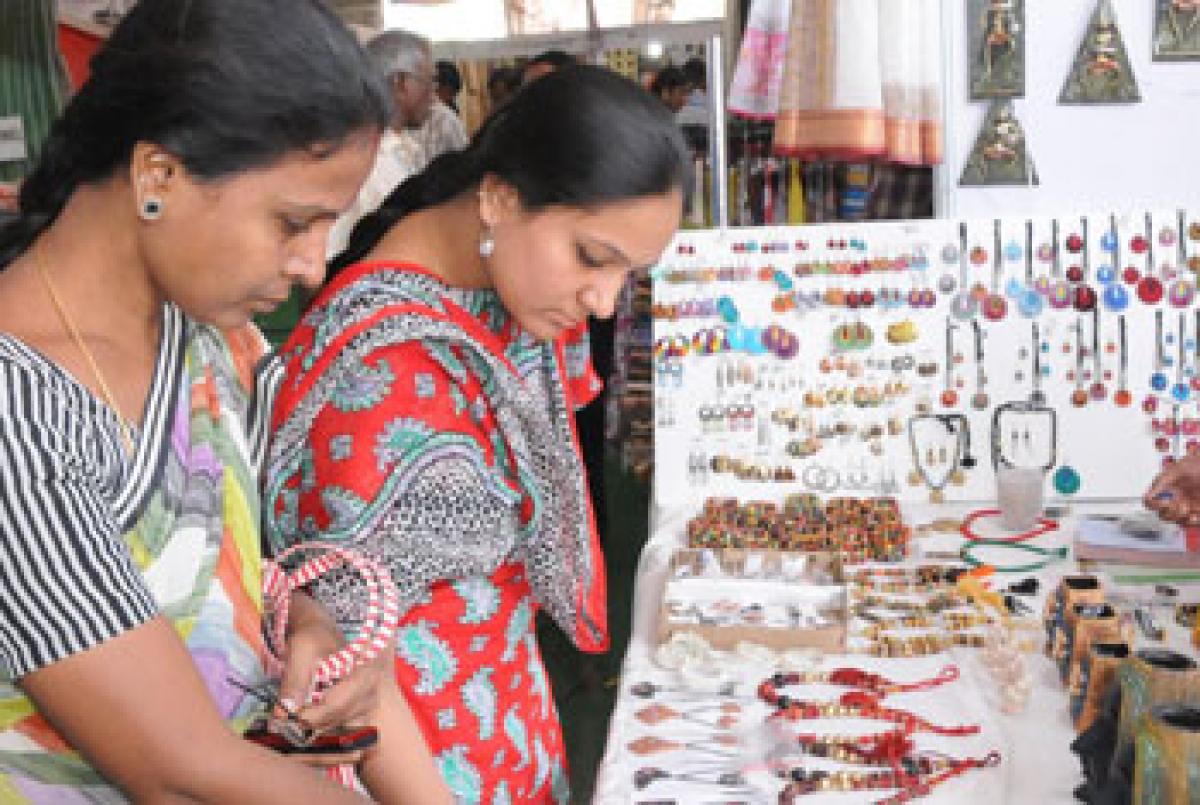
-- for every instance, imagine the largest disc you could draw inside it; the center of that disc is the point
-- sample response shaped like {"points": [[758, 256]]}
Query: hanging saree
{"points": [[171, 532], [758, 75], [420, 425], [861, 81]]}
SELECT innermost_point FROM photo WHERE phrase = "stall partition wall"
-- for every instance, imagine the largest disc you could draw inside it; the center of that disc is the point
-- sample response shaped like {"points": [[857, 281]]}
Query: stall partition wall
{"points": [[33, 84], [1112, 448], [1092, 157]]}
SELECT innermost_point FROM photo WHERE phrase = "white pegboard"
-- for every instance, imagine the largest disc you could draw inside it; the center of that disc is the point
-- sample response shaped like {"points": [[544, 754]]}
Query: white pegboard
{"points": [[1111, 447]]}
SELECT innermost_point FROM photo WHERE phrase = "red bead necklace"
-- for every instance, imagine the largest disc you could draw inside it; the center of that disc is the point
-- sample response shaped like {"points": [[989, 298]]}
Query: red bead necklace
{"points": [[861, 704], [768, 689], [880, 749]]}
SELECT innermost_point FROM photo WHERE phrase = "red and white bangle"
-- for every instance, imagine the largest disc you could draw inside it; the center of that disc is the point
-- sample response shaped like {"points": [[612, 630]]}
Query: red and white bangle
{"points": [[382, 607]]}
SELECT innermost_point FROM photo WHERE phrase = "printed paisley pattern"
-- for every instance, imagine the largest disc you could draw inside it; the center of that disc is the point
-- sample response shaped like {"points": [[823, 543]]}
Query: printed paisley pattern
{"points": [[422, 426]]}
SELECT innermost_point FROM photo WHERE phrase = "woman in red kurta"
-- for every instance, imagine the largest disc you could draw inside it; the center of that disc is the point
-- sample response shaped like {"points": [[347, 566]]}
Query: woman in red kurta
{"points": [[427, 414]]}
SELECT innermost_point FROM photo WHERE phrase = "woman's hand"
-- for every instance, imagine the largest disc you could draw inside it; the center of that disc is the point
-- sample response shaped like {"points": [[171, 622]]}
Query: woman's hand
{"points": [[351, 702], [1175, 493]]}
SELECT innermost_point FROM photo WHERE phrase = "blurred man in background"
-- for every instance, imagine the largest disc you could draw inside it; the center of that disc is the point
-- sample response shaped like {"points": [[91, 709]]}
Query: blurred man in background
{"points": [[502, 83], [695, 111], [671, 87], [422, 127], [547, 62], [447, 83]]}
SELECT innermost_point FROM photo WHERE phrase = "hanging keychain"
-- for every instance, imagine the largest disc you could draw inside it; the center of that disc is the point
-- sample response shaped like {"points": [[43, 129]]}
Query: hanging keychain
{"points": [[1116, 297], [1181, 392], [1029, 302], [1013, 253], [949, 397], [1176, 434], [1036, 395], [1059, 296], [995, 307], [979, 400], [964, 305], [1098, 390], [948, 282], [1084, 296], [1110, 244], [1131, 274], [1079, 397], [1183, 289], [1158, 380], [1195, 381], [1150, 289], [1122, 398]]}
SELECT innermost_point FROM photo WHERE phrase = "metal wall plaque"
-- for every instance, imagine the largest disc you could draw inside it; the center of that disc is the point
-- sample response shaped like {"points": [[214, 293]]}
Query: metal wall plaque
{"points": [[1101, 73], [996, 32], [1000, 155], [1176, 30]]}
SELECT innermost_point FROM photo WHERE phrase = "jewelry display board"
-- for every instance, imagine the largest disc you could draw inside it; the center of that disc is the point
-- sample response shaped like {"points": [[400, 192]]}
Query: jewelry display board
{"points": [[774, 375]]}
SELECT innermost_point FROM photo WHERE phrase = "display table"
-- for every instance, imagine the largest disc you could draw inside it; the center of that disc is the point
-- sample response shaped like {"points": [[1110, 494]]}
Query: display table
{"points": [[1037, 765]]}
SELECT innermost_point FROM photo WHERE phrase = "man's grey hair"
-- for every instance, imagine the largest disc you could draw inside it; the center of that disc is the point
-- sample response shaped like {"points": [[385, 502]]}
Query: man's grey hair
{"points": [[400, 52]]}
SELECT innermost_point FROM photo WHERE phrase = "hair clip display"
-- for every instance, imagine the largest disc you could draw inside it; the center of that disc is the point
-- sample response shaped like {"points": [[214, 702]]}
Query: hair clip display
{"points": [[994, 306], [1149, 287]]}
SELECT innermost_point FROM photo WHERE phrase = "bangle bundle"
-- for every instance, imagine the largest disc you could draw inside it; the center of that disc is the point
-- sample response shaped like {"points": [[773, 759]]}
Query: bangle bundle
{"points": [[1044, 526]]}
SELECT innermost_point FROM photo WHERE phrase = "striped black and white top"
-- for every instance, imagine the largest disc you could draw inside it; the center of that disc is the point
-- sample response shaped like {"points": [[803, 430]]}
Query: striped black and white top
{"points": [[68, 494]]}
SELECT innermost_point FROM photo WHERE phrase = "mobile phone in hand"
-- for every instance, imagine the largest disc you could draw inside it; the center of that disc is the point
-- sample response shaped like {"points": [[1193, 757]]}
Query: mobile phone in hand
{"points": [[329, 743]]}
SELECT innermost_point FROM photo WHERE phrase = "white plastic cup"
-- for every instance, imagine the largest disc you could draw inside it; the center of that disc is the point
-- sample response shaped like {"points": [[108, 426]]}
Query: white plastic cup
{"points": [[1020, 491]]}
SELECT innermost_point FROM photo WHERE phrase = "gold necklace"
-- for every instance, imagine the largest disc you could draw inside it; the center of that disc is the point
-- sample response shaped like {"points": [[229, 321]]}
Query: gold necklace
{"points": [[73, 332]]}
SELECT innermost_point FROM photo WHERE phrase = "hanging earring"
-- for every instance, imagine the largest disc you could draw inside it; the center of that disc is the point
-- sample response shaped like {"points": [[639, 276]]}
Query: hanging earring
{"points": [[487, 243], [152, 208]]}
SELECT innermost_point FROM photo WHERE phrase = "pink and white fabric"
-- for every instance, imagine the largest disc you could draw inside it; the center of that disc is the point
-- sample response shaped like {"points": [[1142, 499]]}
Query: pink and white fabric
{"points": [[754, 92], [862, 81]]}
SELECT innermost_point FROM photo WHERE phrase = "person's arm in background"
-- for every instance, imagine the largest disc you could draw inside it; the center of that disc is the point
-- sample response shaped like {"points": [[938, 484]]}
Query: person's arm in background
{"points": [[1175, 494]]}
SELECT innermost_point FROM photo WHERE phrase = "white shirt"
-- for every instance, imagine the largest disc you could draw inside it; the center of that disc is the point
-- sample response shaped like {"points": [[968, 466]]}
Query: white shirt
{"points": [[398, 158], [443, 131], [695, 113]]}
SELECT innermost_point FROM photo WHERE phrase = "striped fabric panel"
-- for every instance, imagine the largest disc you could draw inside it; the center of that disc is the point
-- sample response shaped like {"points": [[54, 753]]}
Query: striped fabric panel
{"points": [[69, 582]]}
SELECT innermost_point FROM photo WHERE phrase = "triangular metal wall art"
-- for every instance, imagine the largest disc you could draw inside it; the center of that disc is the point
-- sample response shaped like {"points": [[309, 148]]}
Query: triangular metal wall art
{"points": [[1000, 155], [1101, 73], [1176, 30], [997, 37]]}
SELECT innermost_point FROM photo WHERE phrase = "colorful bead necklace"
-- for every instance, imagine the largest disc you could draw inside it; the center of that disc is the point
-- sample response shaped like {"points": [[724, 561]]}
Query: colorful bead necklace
{"points": [[929, 771], [862, 704]]}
